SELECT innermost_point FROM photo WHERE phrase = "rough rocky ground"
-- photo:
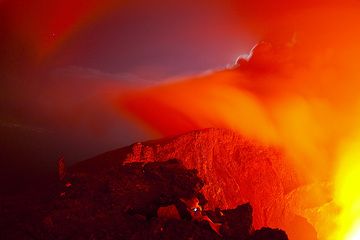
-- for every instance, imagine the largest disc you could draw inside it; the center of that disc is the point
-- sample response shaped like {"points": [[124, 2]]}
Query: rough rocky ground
{"points": [[115, 195], [123, 202]]}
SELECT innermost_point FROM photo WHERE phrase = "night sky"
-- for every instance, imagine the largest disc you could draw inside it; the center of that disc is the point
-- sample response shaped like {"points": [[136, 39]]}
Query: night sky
{"points": [[58, 57]]}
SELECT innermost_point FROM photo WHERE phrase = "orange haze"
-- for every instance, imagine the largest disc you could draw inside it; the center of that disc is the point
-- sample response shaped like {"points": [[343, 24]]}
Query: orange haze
{"points": [[298, 88]]}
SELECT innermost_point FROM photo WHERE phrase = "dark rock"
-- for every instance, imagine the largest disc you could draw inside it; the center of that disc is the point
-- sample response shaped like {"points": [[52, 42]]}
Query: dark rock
{"points": [[117, 195], [269, 234], [237, 223], [236, 170]]}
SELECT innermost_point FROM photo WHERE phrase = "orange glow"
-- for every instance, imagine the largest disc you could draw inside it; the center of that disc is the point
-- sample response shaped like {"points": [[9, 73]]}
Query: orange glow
{"points": [[299, 89], [347, 194]]}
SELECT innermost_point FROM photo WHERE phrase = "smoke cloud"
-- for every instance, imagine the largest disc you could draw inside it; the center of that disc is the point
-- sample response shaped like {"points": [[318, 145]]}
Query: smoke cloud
{"points": [[298, 88]]}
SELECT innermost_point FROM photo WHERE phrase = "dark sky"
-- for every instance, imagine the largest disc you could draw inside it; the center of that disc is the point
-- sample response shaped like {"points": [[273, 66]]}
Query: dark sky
{"points": [[57, 57], [160, 37]]}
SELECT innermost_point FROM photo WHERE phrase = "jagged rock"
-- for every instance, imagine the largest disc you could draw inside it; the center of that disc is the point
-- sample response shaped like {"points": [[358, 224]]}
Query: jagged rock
{"points": [[168, 212], [123, 202], [176, 230], [116, 195], [268, 233], [314, 205], [236, 170], [237, 223]]}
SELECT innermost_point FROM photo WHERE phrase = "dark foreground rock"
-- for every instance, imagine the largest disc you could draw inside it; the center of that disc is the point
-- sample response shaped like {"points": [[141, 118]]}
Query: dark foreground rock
{"points": [[268, 233], [122, 202], [236, 170]]}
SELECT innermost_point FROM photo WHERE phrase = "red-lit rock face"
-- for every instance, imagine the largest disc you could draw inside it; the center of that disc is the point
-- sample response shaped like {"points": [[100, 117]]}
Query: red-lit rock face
{"points": [[236, 170], [116, 191]]}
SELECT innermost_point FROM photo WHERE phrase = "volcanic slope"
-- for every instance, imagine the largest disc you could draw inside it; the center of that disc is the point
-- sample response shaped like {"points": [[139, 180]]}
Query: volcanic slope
{"points": [[236, 170]]}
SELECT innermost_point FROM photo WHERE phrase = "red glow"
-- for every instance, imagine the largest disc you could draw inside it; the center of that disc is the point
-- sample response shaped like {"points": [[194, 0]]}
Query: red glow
{"points": [[299, 89], [45, 24]]}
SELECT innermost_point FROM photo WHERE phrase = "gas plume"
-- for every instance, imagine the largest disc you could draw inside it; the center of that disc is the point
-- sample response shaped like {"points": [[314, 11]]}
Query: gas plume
{"points": [[298, 88]]}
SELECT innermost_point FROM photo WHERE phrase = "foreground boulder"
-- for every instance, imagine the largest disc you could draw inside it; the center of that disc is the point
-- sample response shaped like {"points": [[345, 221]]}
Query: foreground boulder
{"points": [[236, 170], [135, 188], [123, 202]]}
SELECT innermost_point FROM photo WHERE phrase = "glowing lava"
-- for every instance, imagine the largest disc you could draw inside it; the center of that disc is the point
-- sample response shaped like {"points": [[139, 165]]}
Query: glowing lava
{"points": [[347, 194]]}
